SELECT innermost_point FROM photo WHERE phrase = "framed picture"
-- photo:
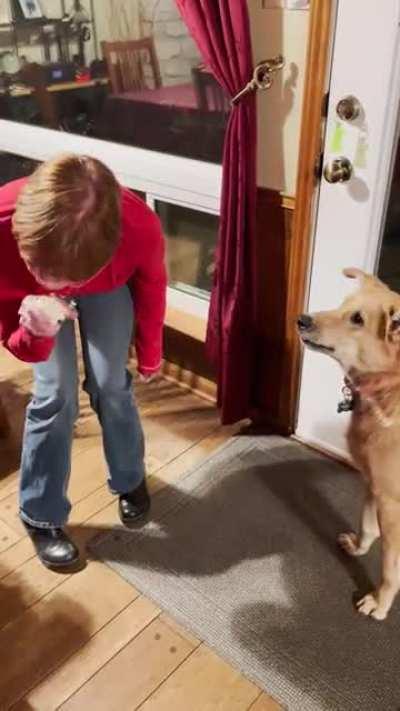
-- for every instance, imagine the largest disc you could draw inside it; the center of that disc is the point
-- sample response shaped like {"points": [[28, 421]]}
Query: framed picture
{"points": [[31, 9]]}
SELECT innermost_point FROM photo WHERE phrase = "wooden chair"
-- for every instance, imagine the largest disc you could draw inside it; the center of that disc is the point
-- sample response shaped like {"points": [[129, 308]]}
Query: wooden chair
{"points": [[210, 95], [127, 63]]}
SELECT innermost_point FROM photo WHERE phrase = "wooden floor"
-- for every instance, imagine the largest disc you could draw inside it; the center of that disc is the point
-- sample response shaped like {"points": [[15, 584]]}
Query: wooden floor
{"points": [[91, 641]]}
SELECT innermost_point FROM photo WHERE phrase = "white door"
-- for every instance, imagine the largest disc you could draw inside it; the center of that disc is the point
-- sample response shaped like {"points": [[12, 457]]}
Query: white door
{"points": [[353, 225]]}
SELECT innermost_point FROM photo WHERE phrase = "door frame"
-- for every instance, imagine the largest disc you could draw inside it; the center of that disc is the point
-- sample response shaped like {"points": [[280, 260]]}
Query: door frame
{"points": [[320, 40], [351, 220], [312, 137]]}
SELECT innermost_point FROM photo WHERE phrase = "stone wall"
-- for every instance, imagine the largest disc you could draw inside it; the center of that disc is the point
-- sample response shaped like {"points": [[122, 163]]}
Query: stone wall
{"points": [[176, 51]]}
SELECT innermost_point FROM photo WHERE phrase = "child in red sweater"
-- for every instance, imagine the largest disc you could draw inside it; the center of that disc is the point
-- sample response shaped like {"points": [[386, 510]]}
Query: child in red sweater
{"points": [[76, 246]]}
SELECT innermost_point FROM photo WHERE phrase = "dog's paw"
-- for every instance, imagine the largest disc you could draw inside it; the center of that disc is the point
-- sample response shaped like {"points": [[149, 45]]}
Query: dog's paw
{"points": [[369, 607], [349, 542]]}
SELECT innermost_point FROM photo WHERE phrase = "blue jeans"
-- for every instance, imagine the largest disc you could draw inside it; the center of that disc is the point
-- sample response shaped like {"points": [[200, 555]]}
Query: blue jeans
{"points": [[106, 324]]}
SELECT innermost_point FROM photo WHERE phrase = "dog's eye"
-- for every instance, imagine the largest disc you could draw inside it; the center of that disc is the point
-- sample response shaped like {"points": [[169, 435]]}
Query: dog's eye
{"points": [[357, 319]]}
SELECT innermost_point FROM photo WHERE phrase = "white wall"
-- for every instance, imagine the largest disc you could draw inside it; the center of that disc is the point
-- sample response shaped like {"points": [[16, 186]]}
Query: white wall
{"points": [[282, 31]]}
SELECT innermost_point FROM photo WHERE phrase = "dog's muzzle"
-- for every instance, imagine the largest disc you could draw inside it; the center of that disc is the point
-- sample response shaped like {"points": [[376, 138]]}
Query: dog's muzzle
{"points": [[307, 327]]}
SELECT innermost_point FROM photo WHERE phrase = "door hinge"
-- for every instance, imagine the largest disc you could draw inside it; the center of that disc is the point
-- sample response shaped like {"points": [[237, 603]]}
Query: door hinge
{"points": [[325, 105], [319, 163], [319, 166]]}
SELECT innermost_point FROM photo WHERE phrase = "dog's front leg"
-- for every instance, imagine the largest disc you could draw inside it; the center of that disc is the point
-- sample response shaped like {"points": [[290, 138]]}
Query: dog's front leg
{"points": [[357, 545], [378, 603]]}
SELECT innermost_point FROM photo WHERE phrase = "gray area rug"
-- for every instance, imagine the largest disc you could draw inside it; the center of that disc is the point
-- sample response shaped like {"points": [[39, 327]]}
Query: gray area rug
{"points": [[242, 552]]}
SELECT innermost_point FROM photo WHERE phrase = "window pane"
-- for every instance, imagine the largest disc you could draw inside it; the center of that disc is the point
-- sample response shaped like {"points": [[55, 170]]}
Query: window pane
{"points": [[120, 70], [191, 239], [13, 167]]}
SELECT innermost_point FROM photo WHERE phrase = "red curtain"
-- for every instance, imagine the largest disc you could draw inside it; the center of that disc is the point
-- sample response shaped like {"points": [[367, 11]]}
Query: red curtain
{"points": [[221, 29]]}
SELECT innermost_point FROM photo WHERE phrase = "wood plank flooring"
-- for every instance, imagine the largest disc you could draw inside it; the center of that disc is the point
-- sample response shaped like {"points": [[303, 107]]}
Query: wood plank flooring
{"points": [[90, 640]]}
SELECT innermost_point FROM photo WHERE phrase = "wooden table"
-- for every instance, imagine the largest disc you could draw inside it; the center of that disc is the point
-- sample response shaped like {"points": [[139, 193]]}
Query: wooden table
{"points": [[22, 90], [56, 103], [168, 120]]}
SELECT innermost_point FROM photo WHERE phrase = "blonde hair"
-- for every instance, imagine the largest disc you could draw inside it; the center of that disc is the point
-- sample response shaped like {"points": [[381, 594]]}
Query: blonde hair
{"points": [[67, 217]]}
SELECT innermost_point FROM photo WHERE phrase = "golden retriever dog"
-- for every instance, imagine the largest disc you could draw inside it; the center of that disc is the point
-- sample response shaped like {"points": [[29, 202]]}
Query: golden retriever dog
{"points": [[363, 335]]}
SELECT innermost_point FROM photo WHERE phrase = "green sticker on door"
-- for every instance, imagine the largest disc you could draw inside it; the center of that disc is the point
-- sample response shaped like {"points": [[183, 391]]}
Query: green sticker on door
{"points": [[350, 141], [337, 136]]}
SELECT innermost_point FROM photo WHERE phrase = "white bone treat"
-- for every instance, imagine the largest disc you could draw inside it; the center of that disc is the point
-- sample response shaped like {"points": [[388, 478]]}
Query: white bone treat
{"points": [[53, 307]]}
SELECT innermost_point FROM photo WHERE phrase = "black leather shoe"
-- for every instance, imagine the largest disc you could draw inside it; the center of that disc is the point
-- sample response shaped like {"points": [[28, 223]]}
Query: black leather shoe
{"points": [[53, 547], [134, 506]]}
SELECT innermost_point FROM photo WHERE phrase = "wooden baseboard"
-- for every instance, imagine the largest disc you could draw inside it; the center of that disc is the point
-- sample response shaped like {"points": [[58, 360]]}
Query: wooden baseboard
{"points": [[191, 381]]}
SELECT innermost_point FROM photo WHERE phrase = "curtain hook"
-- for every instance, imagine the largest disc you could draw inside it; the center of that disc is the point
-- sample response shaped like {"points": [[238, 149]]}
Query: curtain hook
{"points": [[262, 77]]}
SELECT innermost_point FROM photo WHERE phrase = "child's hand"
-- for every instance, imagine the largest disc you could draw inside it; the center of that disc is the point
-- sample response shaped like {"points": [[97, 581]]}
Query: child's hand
{"points": [[43, 315]]}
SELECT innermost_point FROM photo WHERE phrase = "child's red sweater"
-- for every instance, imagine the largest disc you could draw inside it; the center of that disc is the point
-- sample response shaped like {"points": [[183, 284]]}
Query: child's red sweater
{"points": [[138, 261]]}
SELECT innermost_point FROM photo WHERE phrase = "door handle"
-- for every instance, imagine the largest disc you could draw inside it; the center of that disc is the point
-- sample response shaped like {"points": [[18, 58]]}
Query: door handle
{"points": [[338, 170]]}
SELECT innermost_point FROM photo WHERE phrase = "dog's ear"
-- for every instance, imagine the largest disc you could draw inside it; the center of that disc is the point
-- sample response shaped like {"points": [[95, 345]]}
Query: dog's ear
{"points": [[389, 325], [364, 278]]}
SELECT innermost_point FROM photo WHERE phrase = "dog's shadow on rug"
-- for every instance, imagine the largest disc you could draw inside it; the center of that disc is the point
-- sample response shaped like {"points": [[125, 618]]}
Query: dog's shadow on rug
{"points": [[245, 515], [318, 643], [263, 531], [323, 647]]}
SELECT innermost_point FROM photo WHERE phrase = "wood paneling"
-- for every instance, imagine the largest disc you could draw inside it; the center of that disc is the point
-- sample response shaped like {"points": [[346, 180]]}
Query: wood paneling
{"points": [[274, 240], [187, 379], [185, 349], [188, 353]]}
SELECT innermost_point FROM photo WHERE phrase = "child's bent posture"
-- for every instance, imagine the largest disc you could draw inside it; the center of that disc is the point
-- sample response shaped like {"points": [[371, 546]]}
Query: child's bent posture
{"points": [[76, 246]]}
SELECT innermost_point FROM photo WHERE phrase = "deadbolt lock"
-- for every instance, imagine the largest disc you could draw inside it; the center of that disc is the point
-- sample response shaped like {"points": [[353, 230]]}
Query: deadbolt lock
{"points": [[348, 108]]}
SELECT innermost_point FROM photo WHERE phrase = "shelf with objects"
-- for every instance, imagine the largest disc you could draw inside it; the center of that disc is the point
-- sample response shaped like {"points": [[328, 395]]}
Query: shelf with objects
{"points": [[58, 87], [121, 72]]}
